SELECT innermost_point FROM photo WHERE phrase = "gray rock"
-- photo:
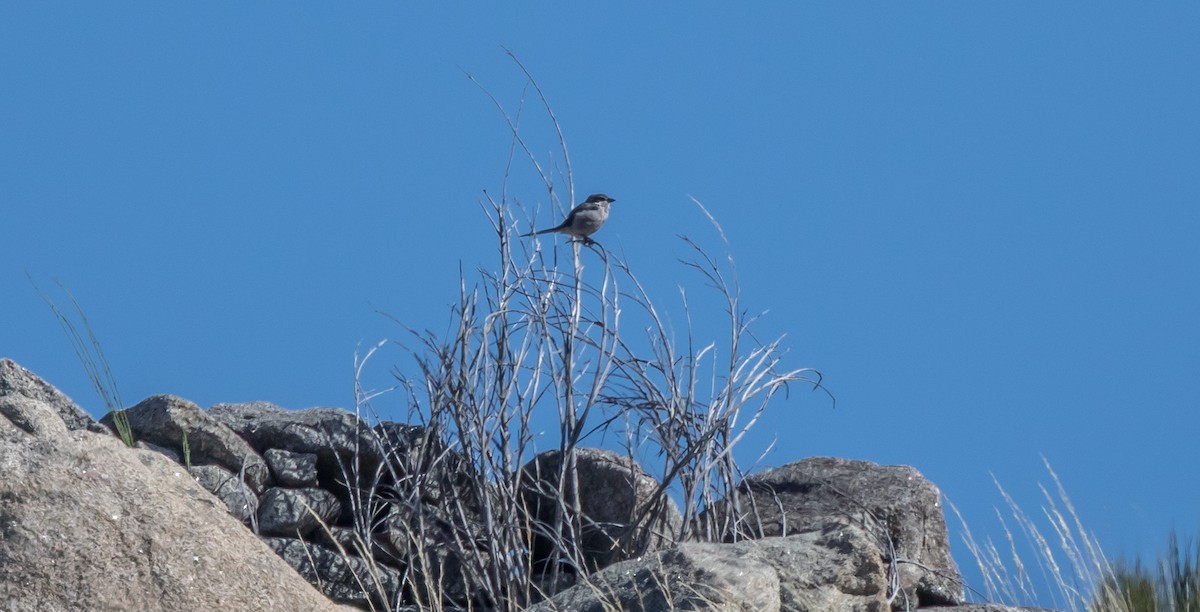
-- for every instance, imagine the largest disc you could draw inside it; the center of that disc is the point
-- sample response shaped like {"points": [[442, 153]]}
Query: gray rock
{"points": [[347, 449], [341, 539], [16, 380], [88, 524], [836, 569], [622, 516], [292, 469], [164, 419], [896, 504], [437, 516], [421, 466], [418, 455], [444, 538], [238, 497], [341, 578], [285, 512]]}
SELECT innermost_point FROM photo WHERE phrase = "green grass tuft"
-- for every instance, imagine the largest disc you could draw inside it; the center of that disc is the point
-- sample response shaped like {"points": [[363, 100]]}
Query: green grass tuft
{"points": [[91, 354]]}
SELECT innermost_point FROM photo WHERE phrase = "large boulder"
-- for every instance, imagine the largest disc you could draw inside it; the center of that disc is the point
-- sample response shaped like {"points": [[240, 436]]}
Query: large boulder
{"points": [[834, 569], [895, 504], [624, 513], [88, 524], [176, 423]]}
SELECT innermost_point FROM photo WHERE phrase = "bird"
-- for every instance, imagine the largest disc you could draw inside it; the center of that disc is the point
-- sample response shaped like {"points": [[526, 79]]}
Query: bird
{"points": [[583, 220]]}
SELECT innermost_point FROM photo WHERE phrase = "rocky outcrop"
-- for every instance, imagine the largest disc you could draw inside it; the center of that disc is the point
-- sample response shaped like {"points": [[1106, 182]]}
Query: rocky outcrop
{"points": [[390, 516], [89, 524]]}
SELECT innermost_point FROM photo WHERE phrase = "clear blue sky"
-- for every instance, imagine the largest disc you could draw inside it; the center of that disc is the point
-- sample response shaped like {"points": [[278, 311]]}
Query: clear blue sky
{"points": [[979, 220]]}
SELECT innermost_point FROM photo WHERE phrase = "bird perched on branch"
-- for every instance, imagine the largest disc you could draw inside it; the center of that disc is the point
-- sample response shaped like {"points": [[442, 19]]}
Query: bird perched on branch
{"points": [[583, 220]]}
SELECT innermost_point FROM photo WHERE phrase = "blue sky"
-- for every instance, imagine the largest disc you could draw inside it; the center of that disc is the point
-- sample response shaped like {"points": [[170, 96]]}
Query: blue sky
{"points": [[978, 220]]}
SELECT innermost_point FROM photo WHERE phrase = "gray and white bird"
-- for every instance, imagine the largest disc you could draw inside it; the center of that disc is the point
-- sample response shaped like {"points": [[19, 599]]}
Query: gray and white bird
{"points": [[583, 220]]}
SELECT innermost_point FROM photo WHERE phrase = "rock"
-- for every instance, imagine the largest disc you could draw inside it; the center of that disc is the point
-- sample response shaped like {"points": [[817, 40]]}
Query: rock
{"points": [[414, 449], [16, 380], [342, 579], [292, 469], [88, 524], [434, 543], [836, 569], [237, 495], [165, 419], [347, 449], [615, 496], [421, 463], [342, 539], [422, 468], [285, 512], [895, 504]]}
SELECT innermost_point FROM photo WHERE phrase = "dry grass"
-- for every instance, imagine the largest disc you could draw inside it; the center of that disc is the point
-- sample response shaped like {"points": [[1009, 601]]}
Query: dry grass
{"points": [[1069, 571]]}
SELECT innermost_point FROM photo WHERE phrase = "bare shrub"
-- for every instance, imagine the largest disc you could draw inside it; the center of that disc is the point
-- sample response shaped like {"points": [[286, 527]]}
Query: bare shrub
{"points": [[543, 334]]}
